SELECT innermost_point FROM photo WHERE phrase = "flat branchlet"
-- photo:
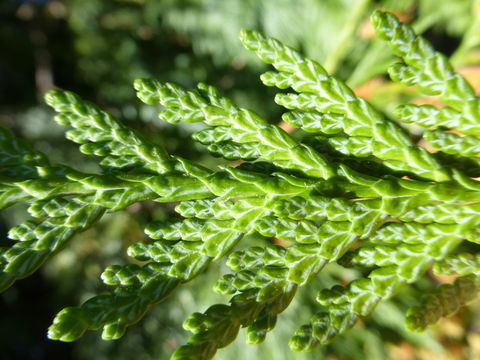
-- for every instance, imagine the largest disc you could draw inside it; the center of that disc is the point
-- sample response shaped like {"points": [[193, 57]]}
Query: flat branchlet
{"points": [[398, 221]]}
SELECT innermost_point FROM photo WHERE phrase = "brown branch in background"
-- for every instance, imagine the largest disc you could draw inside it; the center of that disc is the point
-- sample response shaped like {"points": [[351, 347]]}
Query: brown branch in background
{"points": [[41, 55]]}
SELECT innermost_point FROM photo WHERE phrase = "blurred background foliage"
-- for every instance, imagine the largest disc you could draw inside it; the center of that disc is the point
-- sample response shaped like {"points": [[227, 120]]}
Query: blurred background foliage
{"points": [[98, 47]]}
